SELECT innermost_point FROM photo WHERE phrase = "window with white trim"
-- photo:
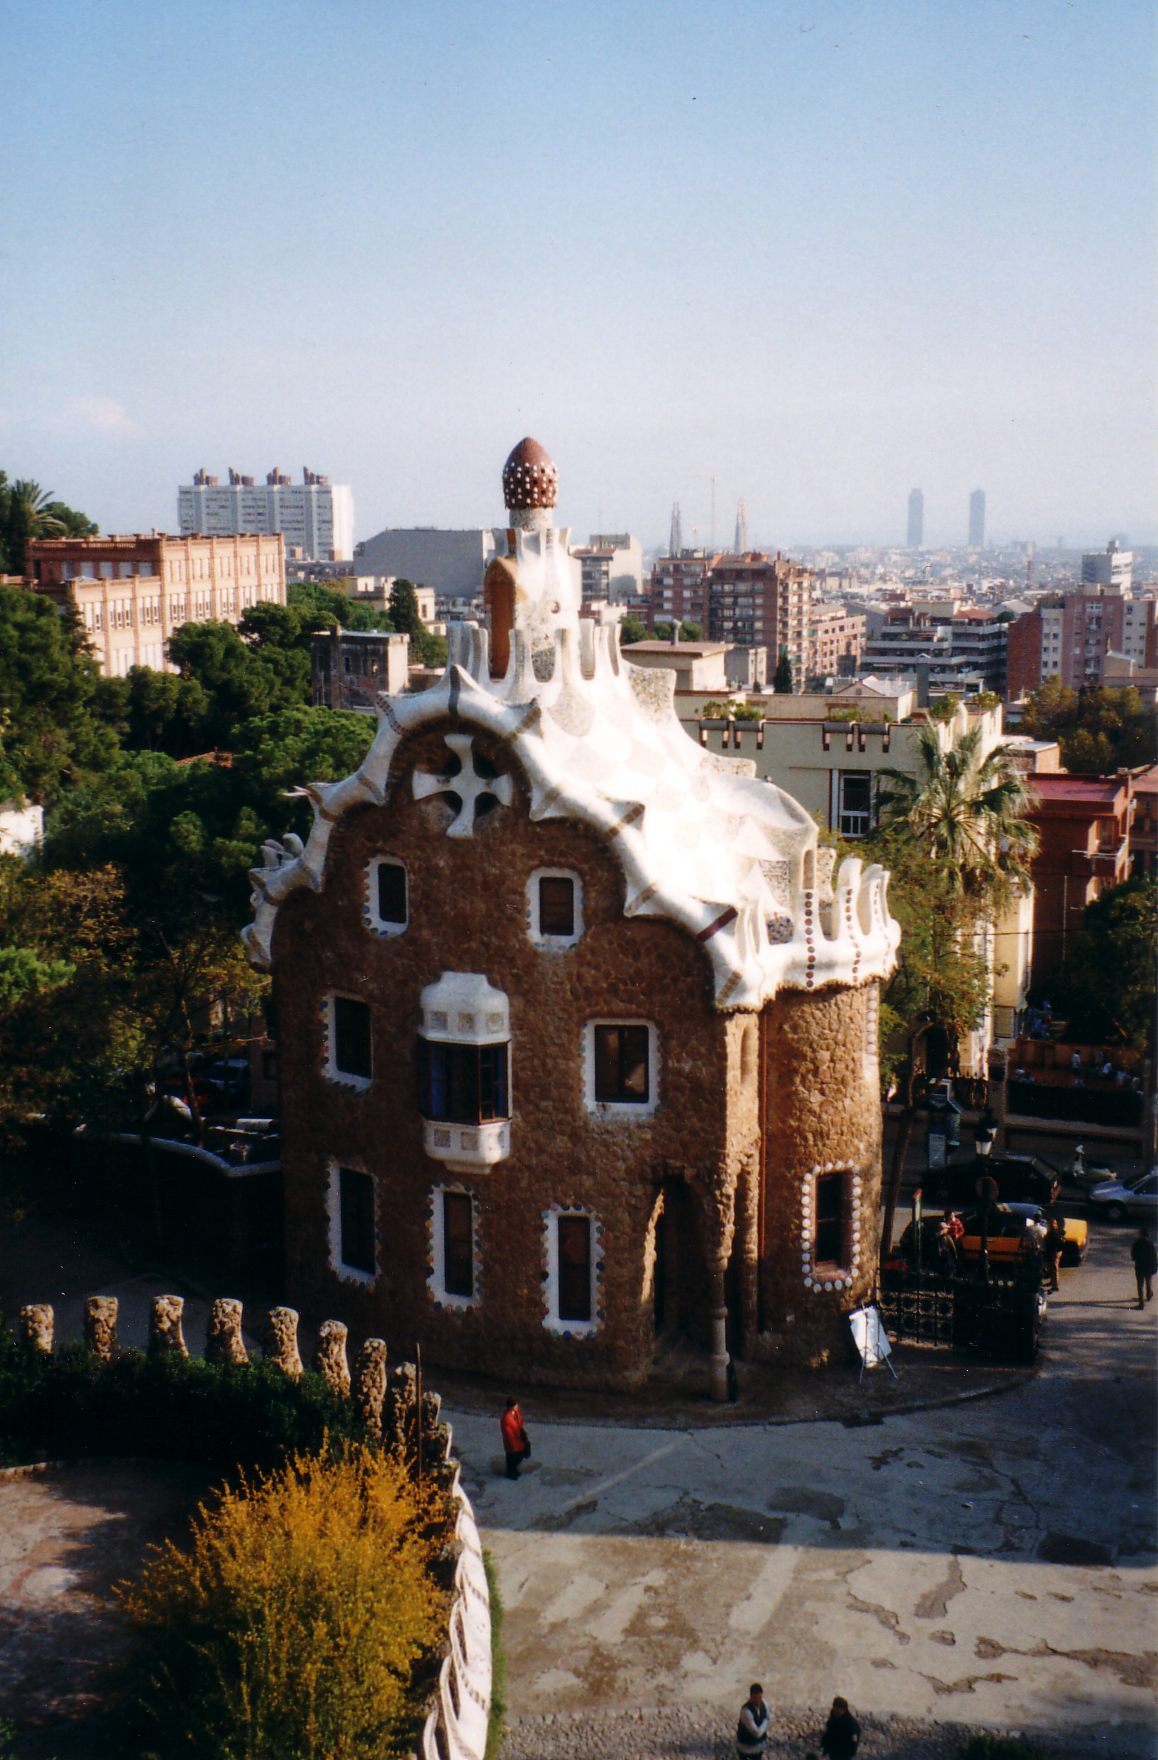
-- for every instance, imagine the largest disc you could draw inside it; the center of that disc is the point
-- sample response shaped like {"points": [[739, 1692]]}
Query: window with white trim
{"points": [[555, 907], [854, 803], [388, 895], [349, 1041], [573, 1267], [620, 1077], [454, 1267], [353, 1224]]}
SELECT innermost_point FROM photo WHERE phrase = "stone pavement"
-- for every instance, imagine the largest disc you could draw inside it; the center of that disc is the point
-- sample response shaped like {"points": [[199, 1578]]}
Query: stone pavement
{"points": [[988, 1564]]}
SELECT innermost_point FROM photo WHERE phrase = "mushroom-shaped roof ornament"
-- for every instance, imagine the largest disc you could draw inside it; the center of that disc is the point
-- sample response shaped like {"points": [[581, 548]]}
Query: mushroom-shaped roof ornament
{"points": [[530, 478]]}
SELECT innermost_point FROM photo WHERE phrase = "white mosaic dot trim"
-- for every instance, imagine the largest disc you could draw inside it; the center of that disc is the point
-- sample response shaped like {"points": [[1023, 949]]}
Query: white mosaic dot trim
{"points": [[829, 1281]]}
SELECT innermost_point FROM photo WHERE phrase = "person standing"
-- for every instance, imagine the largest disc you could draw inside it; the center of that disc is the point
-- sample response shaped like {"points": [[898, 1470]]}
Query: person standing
{"points": [[752, 1729], [841, 1737], [1145, 1264], [516, 1446], [1051, 1251]]}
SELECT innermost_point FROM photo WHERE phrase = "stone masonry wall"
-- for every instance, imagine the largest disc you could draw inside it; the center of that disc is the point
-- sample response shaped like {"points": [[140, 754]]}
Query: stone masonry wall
{"points": [[821, 1112], [468, 913]]}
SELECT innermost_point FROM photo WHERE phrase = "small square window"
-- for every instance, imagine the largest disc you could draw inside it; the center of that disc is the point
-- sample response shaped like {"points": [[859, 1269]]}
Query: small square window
{"points": [[392, 893], [352, 1053], [622, 1076], [556, 905], [356, 1220]]}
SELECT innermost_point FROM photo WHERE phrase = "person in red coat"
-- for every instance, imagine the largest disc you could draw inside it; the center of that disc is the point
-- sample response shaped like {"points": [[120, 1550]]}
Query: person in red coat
{"points": [[515, 1444]]}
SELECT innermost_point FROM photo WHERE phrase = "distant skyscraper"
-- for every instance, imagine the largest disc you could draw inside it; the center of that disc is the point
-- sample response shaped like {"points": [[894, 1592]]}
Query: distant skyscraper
{"points": [[676, 541], [977, 520], [741, 543], [916, 518], [315, 516]]}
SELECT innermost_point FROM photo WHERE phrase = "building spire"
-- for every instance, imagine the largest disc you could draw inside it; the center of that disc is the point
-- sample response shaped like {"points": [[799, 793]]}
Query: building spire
{"points": [[741, 544], [675, 542]]}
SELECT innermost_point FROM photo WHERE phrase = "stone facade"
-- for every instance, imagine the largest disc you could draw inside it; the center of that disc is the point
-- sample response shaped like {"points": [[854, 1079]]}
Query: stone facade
{"points": [[681, 1129]]}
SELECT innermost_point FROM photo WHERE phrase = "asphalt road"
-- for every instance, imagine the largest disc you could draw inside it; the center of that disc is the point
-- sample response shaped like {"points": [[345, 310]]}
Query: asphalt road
{"points": [[990, 1564]]}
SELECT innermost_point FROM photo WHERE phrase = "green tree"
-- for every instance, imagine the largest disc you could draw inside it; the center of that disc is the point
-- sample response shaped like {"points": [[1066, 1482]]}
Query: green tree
{"points": [[51, 730], [1100, 729], [429, 649], [1105, 985], [631, 630], [689, 632], [28, 511], [782, 677]]}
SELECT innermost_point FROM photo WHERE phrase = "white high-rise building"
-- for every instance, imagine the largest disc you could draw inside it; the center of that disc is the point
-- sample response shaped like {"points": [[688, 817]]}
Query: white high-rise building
{"points": [[315, 516], [1110, 567]]}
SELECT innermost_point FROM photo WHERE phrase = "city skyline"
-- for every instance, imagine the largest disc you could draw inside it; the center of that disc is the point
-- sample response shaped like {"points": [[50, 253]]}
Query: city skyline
{"points": [[885, 284]]}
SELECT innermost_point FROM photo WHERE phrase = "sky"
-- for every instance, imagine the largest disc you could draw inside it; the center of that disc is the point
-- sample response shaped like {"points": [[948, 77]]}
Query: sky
{"points": [[807, 252]]}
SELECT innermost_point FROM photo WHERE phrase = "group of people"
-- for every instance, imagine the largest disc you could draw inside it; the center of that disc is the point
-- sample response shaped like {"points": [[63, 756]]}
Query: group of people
{"points": [[840, 1740]]}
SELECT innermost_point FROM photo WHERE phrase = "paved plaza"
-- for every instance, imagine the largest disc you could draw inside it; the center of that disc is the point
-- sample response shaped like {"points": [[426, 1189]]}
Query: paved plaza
{"points": [[987, 1564]]}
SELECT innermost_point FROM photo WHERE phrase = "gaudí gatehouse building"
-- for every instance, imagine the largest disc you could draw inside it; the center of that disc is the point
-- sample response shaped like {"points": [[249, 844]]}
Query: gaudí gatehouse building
{"points": [[577, 1026]]}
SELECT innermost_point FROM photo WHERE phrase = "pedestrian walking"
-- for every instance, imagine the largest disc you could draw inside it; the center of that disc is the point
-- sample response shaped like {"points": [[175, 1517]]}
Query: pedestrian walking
{"points": [[1145, 1264], [841, 1737], [516, 1445], [752, 1729], [1051, 1251]]}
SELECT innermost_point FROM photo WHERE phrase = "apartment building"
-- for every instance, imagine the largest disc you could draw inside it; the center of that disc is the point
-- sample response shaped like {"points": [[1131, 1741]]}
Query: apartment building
{"points": [[611, 567], [1070, 635], [762, 601], [315, 516], [679, 588], [131, 593]]}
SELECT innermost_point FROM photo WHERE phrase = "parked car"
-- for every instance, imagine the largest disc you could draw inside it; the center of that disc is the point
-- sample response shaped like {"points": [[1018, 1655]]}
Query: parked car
{"points": [[1117, 1202], [1016, 1232], [1021, 1179], [1075, 1229]]}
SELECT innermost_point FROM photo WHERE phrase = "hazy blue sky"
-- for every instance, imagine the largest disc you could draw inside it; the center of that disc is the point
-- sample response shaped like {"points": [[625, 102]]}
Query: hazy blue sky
{"points": [[824, 251]]}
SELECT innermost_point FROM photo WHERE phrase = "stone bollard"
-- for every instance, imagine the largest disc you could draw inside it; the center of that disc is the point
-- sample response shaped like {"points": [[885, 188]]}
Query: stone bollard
{"points": [[166, 1338], [281, 1341], [223, 1340], [403, 1405], [37, 1328], [370, 1384], [100, 1327], [330, 1360]]}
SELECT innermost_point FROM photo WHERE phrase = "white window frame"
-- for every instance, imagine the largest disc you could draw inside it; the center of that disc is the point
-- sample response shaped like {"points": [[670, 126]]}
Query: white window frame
{"points": [[348, 1273], [436, 1281], [373, 920], [551, 1318], [342, 1077], [551, 942], [838, 808], [620, 1109]]}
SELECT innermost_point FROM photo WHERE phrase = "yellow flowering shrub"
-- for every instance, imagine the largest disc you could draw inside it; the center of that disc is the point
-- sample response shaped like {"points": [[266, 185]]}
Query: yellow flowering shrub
{"points": [[303, 1618]]}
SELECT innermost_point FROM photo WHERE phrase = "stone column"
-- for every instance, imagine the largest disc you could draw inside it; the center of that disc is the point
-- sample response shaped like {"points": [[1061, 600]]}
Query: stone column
{"points": [[281, 1341], [37, 1328], [403, 1404], [100, 1327], [370, 1384], [718, 1362], [330, 1360], [223, 1340], [166, 1338]]}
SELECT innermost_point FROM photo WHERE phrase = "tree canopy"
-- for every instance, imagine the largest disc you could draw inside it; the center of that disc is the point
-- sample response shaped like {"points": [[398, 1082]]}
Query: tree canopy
{"points": [[1105, 985], [782, 677], [1100, 730]]}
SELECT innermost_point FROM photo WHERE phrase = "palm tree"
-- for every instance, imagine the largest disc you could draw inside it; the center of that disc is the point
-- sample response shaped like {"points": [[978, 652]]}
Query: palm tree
{"points": [[966, 809], [26, 511]]}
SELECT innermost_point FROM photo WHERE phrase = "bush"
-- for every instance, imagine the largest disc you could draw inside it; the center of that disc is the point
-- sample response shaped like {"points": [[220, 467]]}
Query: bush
{"points": [[179, 1408], [300, 1619]]}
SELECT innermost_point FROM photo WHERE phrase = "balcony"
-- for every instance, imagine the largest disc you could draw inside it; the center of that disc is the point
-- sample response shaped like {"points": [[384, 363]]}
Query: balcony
{"points": [[473, 1146]]}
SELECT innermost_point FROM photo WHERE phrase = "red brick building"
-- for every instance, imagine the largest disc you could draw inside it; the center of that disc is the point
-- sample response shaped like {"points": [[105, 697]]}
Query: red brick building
{"points": [[577, 1029], [1085, 824]]}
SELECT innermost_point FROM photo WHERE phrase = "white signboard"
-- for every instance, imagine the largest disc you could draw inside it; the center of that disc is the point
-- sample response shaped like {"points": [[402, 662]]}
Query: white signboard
{"points": [[871, 1339]]}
